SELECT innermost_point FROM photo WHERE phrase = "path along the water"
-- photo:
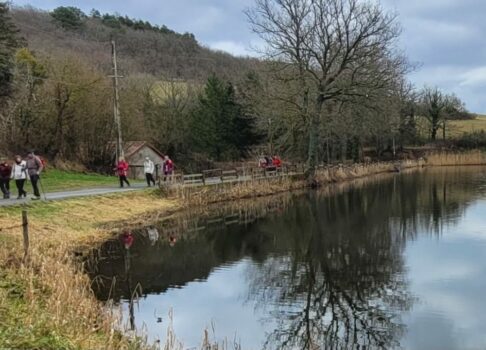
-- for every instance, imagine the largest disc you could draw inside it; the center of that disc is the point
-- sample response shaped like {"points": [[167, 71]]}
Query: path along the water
{"points": [[71, 194]]}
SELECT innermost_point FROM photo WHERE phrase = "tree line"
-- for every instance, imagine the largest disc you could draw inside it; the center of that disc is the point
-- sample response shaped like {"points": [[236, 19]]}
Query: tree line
{"points": [[331, 87]]}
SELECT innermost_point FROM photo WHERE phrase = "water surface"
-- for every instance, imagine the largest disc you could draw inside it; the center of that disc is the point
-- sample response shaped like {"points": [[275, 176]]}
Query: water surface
{"points": [[395, 262]]}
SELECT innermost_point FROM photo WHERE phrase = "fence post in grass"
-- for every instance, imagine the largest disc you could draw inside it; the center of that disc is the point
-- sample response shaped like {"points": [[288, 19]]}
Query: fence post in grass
{"points": [[25, 232]]}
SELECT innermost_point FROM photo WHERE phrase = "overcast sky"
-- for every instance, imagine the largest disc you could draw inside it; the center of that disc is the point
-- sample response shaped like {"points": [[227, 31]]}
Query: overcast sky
{"points": [[445, 36]]}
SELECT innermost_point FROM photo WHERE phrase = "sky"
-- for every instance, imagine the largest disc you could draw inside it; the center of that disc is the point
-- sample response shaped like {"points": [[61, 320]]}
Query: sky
{"points": [[445, 38]]}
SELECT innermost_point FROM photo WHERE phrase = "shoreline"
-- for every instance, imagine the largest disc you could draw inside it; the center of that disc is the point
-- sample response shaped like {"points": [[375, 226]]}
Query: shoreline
{"points": [[52, 285]]}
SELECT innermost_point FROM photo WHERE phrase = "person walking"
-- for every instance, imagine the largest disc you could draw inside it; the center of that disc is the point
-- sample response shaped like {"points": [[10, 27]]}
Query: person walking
{"points": [[5, 172], [149, 169], [34, 169], [19, 175], [168, 167], [122, 169]]}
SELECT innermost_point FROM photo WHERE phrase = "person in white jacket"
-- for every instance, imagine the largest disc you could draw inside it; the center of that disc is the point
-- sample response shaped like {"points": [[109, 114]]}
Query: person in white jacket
{"points": [[149, 169], [19, 174]]}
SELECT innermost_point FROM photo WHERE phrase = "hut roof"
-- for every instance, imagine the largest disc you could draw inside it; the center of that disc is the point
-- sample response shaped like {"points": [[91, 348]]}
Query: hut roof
{"points": [[132, 147]]}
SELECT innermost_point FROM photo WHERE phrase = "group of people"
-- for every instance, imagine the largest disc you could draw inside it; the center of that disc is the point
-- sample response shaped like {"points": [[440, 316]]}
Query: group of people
{"points": [[20, 171], [148, 168], [270, 162]]}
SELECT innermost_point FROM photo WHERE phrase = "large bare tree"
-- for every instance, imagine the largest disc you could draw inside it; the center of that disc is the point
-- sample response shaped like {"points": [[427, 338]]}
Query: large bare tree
{"points": [[334, 49]]}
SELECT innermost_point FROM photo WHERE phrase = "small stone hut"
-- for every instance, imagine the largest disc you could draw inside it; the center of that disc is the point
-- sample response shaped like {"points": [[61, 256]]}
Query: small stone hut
{"points": [[135, 153]]}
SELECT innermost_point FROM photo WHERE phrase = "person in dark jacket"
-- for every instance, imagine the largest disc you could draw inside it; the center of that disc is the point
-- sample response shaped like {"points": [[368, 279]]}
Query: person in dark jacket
{"points": [[5, 172], [34, 169]]}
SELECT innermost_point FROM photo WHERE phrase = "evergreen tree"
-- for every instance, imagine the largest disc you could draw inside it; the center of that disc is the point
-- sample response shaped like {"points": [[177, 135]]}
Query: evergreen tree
{"points": [[9, 42], [69, 17], [220, 127]]}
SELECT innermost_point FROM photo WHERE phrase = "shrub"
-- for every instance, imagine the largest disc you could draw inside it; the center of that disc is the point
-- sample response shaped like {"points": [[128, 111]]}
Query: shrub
{"points": [[475, 139]]}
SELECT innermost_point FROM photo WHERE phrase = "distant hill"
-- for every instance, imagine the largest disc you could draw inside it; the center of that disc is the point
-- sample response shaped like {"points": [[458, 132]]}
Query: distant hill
{"points": [[143, 48]]}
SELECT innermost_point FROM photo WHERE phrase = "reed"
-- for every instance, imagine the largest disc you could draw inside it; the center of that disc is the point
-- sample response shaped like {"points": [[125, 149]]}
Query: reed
{"points": [[202, 195], [475, 157]]}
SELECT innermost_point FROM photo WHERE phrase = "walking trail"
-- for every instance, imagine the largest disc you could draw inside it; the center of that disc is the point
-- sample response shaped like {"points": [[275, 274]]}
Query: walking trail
{"points": [[70, 194]]}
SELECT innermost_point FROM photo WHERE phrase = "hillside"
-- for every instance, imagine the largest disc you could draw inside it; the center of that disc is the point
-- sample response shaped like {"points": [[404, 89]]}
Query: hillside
{"points": [[141, 51]]}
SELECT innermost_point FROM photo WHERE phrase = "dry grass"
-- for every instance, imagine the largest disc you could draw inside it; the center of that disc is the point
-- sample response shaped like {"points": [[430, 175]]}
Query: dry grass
{"points": [[342, 173], [193, 196], [454, 128], [46, 303], [460, 158]]}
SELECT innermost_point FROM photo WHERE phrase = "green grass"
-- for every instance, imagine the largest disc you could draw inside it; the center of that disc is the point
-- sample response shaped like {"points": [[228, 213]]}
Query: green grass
{"points": [[54, 180]]}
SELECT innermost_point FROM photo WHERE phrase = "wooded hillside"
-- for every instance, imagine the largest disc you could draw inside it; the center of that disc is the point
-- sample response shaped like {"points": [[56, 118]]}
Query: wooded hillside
{"points": [[141, 51]]}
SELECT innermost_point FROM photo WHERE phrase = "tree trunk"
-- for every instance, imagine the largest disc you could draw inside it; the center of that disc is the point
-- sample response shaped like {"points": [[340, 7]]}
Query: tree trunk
{"points": [[314, 141], [433, 134], [312, 152]]}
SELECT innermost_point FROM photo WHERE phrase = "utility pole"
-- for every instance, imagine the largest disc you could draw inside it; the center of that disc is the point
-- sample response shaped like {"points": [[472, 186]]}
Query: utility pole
{"points": [[116, 105], [270, 137]]}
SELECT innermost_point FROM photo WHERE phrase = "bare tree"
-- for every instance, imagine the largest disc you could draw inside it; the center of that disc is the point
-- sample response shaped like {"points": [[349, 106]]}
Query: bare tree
{"points": [[437, 107], [333, 48]]}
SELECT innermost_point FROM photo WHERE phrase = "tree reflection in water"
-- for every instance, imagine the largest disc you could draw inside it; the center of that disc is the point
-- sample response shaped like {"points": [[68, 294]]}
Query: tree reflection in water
{"points": [[337, 279], [328, 269]]}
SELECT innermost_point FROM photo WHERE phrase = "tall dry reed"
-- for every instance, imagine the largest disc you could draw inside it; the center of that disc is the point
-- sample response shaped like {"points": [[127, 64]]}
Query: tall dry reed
{"points": [[474, 157]]}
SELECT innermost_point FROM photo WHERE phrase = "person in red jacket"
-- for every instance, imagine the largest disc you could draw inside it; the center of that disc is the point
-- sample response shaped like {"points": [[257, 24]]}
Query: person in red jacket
{"points": [[122, 169], [168, 168], [277, 162]]}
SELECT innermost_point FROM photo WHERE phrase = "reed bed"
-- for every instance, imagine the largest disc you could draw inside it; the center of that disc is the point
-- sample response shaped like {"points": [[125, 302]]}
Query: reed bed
{"points": [[202, 195], [475, 157]]}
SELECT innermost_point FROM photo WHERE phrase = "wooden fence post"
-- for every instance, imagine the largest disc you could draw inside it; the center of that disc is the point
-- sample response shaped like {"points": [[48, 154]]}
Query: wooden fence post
{"points": [[25, 231]]}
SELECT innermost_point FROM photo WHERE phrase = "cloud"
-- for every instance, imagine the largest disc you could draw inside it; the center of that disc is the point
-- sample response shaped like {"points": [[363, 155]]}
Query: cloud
{"points": [[474, 77], [233, 47]]}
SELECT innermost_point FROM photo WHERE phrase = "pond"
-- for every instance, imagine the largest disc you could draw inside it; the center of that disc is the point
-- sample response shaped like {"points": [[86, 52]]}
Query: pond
{"points": [[397, 261]]}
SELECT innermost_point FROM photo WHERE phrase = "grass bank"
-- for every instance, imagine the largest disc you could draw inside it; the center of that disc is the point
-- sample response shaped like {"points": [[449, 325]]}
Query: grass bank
{"points": [[55, 180], [46, 302]]}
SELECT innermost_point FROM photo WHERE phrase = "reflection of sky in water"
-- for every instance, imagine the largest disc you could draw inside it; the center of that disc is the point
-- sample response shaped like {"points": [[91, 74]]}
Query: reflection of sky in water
{"points": [[221, 301], [448, 275]]}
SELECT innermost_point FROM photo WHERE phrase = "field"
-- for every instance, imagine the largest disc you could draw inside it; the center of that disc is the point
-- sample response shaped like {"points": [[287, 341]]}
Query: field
{"points": [[455, 128], [459, 127]]}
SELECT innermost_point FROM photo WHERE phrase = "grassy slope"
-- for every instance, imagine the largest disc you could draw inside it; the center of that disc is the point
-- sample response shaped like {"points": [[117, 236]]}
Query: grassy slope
{"points": [[47, 304], [459, 127], [455, 128]]}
